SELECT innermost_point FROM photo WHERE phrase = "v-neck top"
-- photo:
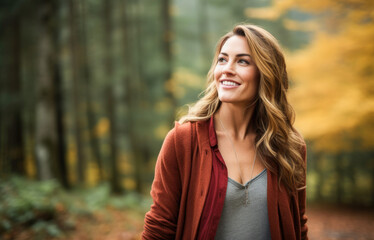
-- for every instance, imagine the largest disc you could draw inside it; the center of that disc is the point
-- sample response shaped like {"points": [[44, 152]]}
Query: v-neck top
{"points": [[211, 215], [245, 221]]}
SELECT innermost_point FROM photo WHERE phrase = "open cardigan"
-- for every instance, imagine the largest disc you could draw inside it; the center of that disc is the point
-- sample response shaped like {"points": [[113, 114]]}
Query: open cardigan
{"points": [[181, 184]]}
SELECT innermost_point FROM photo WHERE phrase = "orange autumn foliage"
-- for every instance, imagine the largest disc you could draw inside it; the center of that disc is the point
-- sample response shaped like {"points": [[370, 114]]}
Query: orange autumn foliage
{"points": [[332, 77]]}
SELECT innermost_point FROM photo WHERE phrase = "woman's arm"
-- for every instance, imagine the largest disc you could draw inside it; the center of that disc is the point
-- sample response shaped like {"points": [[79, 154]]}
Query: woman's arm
{"points": [[161, 221]]}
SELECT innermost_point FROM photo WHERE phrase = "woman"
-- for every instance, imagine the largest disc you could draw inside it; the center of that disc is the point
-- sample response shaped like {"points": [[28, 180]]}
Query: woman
{"points": [[234, 166]]}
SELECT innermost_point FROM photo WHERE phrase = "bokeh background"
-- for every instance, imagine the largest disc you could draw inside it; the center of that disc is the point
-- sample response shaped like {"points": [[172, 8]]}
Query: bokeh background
{"points": [[89, 89]]}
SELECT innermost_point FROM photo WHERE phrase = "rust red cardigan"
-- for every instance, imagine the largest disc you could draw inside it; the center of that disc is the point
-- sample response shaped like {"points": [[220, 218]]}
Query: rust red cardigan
{"points": [[181, 183]]}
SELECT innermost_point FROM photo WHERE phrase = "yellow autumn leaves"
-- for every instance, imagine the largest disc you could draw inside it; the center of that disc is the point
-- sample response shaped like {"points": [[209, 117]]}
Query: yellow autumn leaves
{"points": [[332, 77]]}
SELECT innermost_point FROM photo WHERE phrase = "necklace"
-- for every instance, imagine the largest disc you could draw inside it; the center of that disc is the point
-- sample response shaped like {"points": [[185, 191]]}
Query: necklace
{"points": [[246, 191]]}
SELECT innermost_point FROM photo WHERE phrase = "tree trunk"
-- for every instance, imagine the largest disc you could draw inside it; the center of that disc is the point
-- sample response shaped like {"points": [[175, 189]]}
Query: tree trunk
{"points": [[369, 158], [3, 64], [129, 100], [11, 123], [77, 103], [46, 135], [111, 103], [321, 176], [137, 143], [91, 117], [167, 50], [62, 168], [203, 33], [339, 158], [351, 174]]}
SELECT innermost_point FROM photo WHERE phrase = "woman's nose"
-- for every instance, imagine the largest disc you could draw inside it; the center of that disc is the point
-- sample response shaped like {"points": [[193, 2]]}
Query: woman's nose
{"points": [[228, 69]]}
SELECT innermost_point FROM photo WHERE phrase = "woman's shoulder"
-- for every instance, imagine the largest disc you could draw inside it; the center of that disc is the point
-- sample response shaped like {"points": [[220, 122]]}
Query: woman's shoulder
{"points": [[186, 132], [183, 128], [179, 140], [180, 133], [183, 132]]}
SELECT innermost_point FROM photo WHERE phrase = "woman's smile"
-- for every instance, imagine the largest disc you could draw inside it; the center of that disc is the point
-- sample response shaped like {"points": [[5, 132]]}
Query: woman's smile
{"points": [[226, 83]]}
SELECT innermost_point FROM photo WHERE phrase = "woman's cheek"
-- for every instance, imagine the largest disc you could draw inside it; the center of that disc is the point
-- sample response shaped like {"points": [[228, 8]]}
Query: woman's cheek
{"points": [[216, 73]]}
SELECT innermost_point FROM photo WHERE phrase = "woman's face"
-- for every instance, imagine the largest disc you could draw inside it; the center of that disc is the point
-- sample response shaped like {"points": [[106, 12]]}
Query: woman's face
{"points": [[235, 74]]}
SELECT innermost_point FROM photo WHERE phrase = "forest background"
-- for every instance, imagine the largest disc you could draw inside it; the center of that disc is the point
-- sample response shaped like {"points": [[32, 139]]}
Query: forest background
{"points": [[90, 88]]}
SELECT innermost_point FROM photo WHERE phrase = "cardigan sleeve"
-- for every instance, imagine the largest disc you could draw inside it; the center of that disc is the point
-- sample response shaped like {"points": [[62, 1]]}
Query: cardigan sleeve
{"points": [[302, 203], [161, 221]]}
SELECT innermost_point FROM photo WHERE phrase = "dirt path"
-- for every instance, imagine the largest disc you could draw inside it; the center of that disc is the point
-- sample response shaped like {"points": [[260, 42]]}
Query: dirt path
{"points": [[325, 223], [332, 223]]}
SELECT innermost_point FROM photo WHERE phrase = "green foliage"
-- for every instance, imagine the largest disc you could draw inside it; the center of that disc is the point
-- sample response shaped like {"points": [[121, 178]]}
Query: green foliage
{"points": [[43, 228], [45, 210], [87, 201], [99, 197], [26, 203], [131, 200]]}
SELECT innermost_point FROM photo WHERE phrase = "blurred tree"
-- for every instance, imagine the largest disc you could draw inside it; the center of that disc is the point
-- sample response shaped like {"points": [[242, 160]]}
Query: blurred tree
{"points": [[49, 131], [11, 148], [46, 140], [205, 48], [167, 52], [61, 168], [111, 103], [88, 86], [76, 64], [138, 93]]}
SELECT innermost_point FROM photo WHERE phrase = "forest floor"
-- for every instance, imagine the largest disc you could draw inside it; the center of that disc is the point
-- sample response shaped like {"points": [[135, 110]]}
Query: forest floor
{"points": [[334, 222], [325, 222]]}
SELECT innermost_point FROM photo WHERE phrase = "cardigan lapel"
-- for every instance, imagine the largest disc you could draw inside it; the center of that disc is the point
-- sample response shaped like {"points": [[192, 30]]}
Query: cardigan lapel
{"points": [[280, 218], [204, 166], [272, 201], [285, 216]]}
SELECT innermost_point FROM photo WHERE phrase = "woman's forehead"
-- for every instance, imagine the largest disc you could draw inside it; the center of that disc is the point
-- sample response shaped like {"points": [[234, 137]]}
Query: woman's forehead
{"points": [[235, 45]]}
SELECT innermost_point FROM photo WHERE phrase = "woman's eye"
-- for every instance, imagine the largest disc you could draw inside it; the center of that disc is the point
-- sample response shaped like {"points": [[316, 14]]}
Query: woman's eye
{"points": [[242, 61], [221, 60]]}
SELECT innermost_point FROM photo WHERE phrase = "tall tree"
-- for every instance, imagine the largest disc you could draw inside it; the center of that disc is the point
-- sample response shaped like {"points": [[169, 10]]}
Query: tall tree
{"points": [[88, 86], [167, 37], [127, 100], [46, 150], [11, 123], [139, 99], [203, 34], [76, 76], [111, 101], [61, 166]]}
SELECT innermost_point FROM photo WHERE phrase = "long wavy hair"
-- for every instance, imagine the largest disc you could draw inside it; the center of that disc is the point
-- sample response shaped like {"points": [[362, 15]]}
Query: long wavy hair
{"points": [[277, 141]]}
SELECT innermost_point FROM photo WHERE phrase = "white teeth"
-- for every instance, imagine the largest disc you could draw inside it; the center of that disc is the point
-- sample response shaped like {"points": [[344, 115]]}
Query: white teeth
{"points": [[229, 83]]}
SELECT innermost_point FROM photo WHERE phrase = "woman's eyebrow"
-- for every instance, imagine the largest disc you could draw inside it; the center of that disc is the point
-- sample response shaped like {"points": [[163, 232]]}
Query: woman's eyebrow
{"points": [[243, 55], [238, 55]]}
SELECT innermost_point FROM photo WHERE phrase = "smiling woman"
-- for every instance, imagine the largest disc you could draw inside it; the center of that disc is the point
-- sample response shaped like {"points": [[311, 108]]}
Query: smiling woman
{"points": [[234, 166]]}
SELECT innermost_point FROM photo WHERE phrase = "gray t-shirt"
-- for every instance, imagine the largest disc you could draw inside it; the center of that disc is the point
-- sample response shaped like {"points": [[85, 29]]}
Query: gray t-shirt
{"points": [[240, 221]]}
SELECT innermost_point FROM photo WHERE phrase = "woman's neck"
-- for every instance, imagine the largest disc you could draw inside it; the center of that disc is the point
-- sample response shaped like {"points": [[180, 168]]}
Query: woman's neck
{"points": [[235, 119]]}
